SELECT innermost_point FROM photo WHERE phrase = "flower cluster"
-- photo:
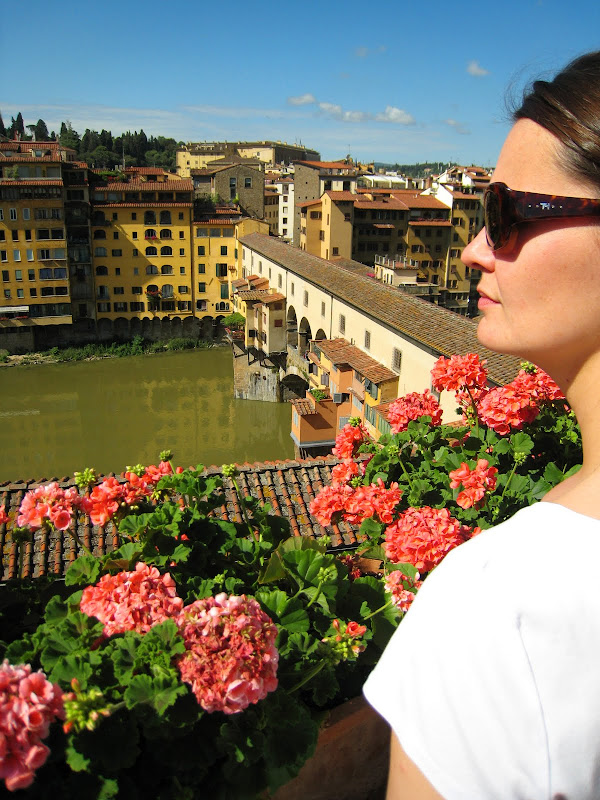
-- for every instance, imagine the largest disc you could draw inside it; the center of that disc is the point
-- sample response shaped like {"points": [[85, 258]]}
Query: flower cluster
{"points": [[423, 536], [402, 588], [83, 710], [413, 406], [28, 705], [459, 372], [132, 601], [356, 504], [231, 658], [3, 515], [476, 482], [349, 440], [48, 504], [345, 644]]}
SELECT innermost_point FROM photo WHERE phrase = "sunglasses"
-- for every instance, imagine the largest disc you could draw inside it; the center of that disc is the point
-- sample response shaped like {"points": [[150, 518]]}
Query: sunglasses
{"points": [[503, 208]]}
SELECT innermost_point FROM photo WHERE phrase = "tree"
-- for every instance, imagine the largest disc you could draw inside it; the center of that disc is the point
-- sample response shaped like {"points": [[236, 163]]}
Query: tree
{"points": [[19, 124], [2, 128], [68, 136], [101, 156], [41, 131]]}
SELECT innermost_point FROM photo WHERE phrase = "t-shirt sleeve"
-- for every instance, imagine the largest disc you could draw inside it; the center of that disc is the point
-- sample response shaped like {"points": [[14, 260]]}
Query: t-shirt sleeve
{"points": [[456, 686]]}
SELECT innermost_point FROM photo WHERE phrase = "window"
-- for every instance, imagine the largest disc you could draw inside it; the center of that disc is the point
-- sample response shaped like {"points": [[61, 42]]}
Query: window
{"points": [[149, 218], [278, 323], [166, 269], [247, 183], [201, 288], [342, 325], [136, 290], [305, 298], [221, 270], [33, 292], [182, 251], [136, 271], [151, 269], [396, 360], [100, 251], [117, 253], [166, 251], [16, 255], [151, 251], [370, 414], [30, 256], [3, 255], [134, 252], [103, 307], [367, 340], [13, 213], [118, 290], [165, 217], [150, 234], [215, 232], [120, 306], [335, 251], [115, 234], [115, 216], [165, 234], [20, 293], [5, 275], [201, 269], [167, 291], [133, 215], [7, 294], [30, 274], [26, 213], [182, 270], [18, 275], [136, 306], [183, 289], [224, 291], [182, 234], [223, 249], [201, 305], [372, 389], [279, 281], [15, 236], [201, 250], [44, 255], [27, 235], [292, 288]]}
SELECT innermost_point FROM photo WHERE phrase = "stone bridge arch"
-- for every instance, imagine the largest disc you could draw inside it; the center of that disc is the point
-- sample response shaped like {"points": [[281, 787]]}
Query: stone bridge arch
{"points": [[292, 328], [304, 336]]}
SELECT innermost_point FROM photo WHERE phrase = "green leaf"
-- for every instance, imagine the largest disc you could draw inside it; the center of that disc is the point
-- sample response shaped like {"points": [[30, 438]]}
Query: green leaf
{"points": [[160, 692], [73, 666], [285, 611], [124, 558], [273, 570], [552, 474], [85, 570], [522, 443], [123, 656], [372, 529], [76, 760]]}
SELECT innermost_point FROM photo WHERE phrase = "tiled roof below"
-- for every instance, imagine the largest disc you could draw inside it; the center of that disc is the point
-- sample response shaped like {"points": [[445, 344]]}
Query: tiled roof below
{"points": [[303, 407], [253, 294], [340, 351], [288, 487]]}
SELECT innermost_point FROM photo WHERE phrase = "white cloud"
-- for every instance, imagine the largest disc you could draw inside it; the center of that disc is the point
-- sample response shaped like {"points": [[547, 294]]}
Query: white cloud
{"points": [[474, 68], [302, 100], [396, 115], [458, 126]]}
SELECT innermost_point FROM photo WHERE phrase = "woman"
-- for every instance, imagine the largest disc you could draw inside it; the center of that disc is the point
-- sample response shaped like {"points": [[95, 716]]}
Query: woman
{"points": [[491, 684]]}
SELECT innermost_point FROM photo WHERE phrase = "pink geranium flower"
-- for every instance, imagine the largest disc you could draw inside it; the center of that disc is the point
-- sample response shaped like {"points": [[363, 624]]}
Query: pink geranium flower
{"points": [[413, 406], [231, 659], [458, 372], [48, 504], [349, 440], [423, 536], [28, 705], [476, 482], [402, 597]]}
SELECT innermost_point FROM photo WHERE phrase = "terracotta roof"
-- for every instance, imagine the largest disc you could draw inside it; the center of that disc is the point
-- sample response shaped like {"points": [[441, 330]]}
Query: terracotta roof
{"points": [[304, 407], [33, 182], [327, 164], [252, 294], [145, 204], [416, 200], [305, 203], [148, 171], [18, 159], [239, 282], [458, 195], [275, 297], [339, 351], [341, 196], [288, 486], [181, 185], [430, 326], [431, 223], [391, 204]]}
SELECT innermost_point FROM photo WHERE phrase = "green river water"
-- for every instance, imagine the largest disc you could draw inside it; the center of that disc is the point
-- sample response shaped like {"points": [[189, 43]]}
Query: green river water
{"points": [[106, 414]]}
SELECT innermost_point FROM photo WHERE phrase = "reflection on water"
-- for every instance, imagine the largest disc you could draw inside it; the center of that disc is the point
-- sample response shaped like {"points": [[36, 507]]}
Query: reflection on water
{"points": [[56, 418]]}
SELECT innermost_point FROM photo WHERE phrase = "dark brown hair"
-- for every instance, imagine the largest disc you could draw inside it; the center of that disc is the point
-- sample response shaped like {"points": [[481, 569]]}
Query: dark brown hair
{"points": [[569, 107]]}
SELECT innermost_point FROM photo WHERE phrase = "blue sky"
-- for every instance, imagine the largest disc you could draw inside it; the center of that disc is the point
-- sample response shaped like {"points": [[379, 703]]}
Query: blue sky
{"points": [[392, 81]]}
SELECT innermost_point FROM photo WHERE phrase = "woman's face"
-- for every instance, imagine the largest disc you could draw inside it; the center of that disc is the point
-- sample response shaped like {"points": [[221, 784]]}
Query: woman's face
{"points": [[540, 298]]}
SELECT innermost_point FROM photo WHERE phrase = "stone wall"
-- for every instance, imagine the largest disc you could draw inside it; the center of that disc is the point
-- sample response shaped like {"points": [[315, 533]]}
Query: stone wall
{"points": [[252, 381]]}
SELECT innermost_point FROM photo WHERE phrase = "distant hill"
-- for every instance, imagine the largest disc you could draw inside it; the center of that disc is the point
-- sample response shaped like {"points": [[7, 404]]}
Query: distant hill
{"points": [[416, 170]]}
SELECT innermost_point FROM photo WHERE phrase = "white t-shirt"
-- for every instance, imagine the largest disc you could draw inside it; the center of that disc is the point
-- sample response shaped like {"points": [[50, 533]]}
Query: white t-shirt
{"points": [[492, 681]]}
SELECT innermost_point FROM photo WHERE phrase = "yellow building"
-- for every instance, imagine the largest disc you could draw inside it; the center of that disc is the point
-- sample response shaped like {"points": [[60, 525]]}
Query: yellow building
{"points": [[141, 240], [44, 236]]}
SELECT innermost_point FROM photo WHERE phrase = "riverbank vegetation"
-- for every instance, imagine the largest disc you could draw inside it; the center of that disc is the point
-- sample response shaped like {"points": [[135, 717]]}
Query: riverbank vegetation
{"points": [[137, 347]]}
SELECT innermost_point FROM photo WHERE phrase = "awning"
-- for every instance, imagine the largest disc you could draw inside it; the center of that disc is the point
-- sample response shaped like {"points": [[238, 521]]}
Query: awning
{"points": [[382, 225], [14, 309]]}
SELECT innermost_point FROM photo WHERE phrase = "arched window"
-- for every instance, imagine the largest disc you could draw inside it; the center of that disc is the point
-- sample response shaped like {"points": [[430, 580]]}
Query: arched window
{"points": [[149, 218], [166, 269], [152, 289], [101, 270], [100, 234], [167, 291], [100, 251], [165, 217], [165, 234], [150, 233], [151, 251], [151, 269], [166, 251], [201, 305], [222, 307]]}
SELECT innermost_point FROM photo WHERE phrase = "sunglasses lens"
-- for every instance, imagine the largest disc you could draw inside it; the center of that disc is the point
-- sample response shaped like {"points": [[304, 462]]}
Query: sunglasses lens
{"points": [[493, 219]]}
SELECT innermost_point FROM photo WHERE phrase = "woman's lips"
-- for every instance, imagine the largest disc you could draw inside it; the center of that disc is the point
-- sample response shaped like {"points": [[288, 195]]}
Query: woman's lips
{"points": [[485, 301]]}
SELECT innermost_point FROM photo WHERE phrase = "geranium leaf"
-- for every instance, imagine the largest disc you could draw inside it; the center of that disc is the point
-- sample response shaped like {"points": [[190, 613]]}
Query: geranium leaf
{"points": [[160, 693], [273, 570], [76, 760], [283, 610], [85, 569]]}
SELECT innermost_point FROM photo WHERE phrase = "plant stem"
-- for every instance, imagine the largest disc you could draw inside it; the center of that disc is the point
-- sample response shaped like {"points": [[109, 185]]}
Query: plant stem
{"points": [[316, 597], [378, 610], [309, 676], [243, 507], [79, 543], [474, 407]]}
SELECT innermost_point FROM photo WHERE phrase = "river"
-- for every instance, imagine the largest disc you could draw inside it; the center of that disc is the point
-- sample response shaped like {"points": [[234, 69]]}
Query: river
{"points": [[106, 414]]}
